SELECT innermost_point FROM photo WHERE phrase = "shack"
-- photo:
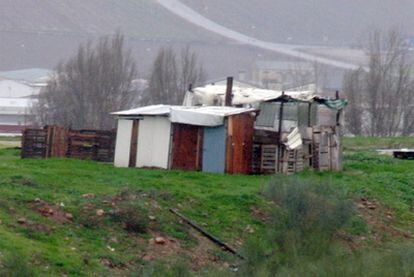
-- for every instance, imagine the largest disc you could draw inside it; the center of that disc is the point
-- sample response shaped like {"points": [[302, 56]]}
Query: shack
{"points": [[208, 138], [294, 130]]}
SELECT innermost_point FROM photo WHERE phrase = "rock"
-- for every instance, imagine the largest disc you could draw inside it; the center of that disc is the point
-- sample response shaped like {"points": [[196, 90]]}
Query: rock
{"points": [[69, 216], [22, 220], [372, 207], [88, 195], [160, 240], [100, 212], [249, 229], [151, 217], [37, 200], [361, 206]]}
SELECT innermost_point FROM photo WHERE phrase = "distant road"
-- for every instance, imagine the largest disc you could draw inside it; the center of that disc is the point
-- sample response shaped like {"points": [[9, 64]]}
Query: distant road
{"points": [[194, 17]]}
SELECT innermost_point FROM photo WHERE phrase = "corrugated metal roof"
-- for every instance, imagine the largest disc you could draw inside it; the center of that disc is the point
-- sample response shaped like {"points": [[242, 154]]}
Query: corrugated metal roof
{"points": [[200, 115], [147, 110]]}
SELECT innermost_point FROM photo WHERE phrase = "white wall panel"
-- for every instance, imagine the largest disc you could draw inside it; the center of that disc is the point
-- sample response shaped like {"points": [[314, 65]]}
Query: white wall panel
{"points": [[153, 142], [123, 143]]}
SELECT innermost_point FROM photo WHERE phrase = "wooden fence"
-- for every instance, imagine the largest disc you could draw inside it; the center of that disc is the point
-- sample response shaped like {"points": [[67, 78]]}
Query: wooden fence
{"points": [[56, 141]]}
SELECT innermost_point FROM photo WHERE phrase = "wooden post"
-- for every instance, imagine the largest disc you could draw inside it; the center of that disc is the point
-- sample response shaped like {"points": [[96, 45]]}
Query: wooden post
{"points": [[279, 154], [229, 89], [133, 144], [338, 113]]}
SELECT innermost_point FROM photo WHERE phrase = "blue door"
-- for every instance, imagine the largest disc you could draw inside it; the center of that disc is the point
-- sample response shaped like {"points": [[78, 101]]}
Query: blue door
{"points": [[214, 149]]}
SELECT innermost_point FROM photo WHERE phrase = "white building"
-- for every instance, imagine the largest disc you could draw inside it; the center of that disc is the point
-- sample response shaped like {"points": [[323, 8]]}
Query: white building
{"points": [[16, 102]]}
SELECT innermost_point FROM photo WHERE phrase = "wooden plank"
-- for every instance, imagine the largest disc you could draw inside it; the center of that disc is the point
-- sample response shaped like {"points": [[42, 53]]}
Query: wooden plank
{"points": [[134, 143]]}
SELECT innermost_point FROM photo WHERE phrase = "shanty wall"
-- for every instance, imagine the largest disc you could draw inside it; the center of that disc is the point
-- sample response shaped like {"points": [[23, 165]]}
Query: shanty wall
{"points": [[154, 142], [187, 147], [321, 151], [239, 150], [123, 143], [56, 141]]}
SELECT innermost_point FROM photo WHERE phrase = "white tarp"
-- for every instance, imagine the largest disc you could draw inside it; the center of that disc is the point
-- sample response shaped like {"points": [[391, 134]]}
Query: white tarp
{"points": [[213, 95]]}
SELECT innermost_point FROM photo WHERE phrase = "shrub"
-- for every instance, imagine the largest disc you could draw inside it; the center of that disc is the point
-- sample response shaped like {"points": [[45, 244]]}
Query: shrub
{"points": [[303, 223], [132, 216], [306, 215]]}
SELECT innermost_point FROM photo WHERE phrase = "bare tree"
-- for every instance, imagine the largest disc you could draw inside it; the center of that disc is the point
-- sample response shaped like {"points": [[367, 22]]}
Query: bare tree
{"points": [[171, 76], [90, 85], [354, 112], [386, 89]]}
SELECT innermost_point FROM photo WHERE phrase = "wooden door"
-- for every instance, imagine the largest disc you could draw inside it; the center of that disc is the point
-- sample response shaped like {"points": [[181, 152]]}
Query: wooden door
{"points": [[240, 144], [186, 147]]}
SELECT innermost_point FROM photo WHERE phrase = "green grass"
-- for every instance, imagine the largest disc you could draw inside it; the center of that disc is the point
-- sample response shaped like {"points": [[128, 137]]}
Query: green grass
{"points": [[221, 204]]}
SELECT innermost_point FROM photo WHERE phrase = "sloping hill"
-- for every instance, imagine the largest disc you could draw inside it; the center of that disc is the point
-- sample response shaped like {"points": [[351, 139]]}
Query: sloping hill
{"points": [[139, 18], [74, 218], [308, 22]]}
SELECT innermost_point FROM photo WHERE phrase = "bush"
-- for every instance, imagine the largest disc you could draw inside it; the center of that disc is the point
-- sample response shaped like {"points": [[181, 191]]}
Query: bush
{"points": [[306, 216], [303, 223], [132, 216]]}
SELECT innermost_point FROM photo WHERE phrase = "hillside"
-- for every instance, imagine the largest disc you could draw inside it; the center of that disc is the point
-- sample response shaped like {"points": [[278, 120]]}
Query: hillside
{"points": [[80, 217], [338, 23], [43, 32], [136, 18]]}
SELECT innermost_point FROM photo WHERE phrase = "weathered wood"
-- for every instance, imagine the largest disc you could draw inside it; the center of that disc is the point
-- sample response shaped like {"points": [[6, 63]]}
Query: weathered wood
{"points": [[214, 239], [229, 92], [134, 143], [56, 141], [239, 144]]}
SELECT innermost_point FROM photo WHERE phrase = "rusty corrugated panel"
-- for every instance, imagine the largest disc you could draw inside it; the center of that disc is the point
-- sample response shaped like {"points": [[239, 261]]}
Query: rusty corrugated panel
{"points": [[186, 147]]}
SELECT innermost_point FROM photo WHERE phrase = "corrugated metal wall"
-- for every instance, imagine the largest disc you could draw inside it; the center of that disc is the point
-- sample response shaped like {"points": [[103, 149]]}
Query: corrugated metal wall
{"points": [[214, 149], [154, 137], [123, 142]]}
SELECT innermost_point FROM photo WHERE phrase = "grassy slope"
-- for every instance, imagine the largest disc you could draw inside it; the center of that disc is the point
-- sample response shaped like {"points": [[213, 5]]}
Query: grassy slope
{"points": [[222, 204]]}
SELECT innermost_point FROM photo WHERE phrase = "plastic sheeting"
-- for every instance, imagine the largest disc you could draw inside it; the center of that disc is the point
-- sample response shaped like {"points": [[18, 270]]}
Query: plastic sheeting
{"points": [[213, 95]]}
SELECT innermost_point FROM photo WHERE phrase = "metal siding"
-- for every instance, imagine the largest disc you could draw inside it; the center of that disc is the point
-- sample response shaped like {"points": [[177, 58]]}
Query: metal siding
{"points": [[153, 142], [267, 114], [214, 150], [123, 143]]}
